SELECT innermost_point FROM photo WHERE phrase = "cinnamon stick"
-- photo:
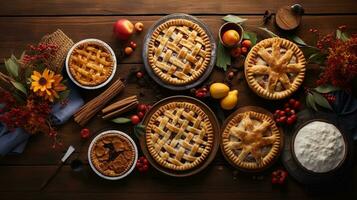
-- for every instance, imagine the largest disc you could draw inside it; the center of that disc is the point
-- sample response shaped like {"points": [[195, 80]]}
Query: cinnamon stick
{"points": [[120, 107]]}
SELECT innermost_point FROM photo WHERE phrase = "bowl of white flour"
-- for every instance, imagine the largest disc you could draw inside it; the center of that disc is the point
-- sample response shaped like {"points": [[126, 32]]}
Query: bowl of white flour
{"points": [[319, 147]]}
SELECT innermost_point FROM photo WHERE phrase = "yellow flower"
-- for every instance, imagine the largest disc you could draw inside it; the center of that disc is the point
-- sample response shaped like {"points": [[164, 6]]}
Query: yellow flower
{"points": [[47, 84]]}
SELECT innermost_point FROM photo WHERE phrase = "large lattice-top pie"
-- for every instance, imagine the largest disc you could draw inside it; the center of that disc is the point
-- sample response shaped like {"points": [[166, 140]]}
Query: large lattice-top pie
{"points": [[275, 68], [251, 140], [179, 51], [90, 63], [179, 136]]}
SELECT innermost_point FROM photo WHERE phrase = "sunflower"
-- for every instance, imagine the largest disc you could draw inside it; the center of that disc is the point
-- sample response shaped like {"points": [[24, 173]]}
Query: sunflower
{"points": [[47, 84]]}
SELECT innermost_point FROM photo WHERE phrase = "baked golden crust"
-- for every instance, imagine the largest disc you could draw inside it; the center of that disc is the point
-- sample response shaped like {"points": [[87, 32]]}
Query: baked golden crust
{"points": [[179, 51], [275, 68], [251, 140], [90, 64], [112, 155], [179, 136]]}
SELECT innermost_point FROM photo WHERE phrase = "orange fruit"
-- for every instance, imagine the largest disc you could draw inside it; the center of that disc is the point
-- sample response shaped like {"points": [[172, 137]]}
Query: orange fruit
{"points": [[230, 37]]}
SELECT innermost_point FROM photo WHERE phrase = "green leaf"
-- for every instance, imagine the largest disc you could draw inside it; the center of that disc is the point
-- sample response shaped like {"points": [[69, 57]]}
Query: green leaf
{"points": [[342, 35], [139, 130], [234, 19], [321, 101], [12, 67], [19, 86], [326, 89], [223, 57], [250, 36], [121, 120], [272, 34], [297, 40], [310, 101], [317, 58]]}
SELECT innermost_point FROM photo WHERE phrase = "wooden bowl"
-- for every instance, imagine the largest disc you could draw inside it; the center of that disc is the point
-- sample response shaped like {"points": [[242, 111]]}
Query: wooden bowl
{"points": [[307, 170], [230, 26], [215, 127], [254, 109]]}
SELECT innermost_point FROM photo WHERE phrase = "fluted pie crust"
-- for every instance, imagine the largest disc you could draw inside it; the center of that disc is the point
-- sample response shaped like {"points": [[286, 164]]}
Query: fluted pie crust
{"points": [[91, 64], [179, 51], [179, 136], [112, 155], [251, 141], [275, 68]]}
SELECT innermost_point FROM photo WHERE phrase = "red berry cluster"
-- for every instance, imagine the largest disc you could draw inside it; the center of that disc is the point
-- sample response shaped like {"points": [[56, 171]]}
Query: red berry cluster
{"points": [[142, 164], [141, 110], [40, 52], [139, 74], [201, 92], [288, 114], [279, 176], [330, 98], [85, 133]]}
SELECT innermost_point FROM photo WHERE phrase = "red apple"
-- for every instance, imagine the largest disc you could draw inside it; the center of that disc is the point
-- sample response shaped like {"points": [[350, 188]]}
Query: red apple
{"points": [[123, 29]]}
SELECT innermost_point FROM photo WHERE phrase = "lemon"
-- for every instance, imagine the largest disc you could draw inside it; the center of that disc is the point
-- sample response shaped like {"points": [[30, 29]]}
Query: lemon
{"points": [[230, 101], [218, 90]]}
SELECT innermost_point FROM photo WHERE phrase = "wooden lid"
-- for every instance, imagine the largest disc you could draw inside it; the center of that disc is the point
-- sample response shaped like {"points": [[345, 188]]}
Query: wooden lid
{"points": [[287, 19]]}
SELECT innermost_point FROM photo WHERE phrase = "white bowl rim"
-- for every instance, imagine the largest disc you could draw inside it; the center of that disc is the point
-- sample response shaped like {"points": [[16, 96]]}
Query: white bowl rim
{"points": [[111, 52], [135, 151]]}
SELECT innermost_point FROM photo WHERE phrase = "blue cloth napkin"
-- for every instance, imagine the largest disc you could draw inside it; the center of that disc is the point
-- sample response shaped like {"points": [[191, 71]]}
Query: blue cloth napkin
{"points": [[62, 113], [12, 141]]}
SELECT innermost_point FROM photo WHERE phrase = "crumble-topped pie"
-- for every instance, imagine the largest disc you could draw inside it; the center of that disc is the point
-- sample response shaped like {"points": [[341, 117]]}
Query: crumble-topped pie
{"points": [[179, 135], [112, 155], [251, 141], [275, 68], [179, 51], [91, 63]]}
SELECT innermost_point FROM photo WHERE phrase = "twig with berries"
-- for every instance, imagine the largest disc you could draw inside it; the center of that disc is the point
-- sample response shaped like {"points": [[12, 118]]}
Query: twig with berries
{"points": [[320, 96]]}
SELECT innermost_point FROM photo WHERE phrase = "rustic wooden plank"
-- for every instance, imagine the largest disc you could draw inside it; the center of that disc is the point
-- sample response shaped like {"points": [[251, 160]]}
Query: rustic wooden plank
{"points": [[17, 32], [144, 7]]}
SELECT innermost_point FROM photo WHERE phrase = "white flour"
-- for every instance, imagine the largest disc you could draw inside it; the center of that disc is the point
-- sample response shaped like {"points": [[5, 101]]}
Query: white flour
{"points": [[319, 147]]}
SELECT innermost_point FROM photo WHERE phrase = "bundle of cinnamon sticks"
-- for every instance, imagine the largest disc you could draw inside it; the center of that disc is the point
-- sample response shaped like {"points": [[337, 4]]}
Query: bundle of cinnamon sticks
{"points": [[120, 107]]}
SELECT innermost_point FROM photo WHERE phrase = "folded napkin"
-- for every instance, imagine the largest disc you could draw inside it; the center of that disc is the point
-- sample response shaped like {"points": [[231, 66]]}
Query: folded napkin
{"points": [[61, 113], [12, 141]]}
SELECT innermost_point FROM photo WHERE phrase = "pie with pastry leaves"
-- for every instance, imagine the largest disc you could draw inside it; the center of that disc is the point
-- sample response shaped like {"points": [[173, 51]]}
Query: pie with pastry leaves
{"points": [[179, 51], [91, 63], [251, 141], [179, 136], [275, 68], [112, 155]]}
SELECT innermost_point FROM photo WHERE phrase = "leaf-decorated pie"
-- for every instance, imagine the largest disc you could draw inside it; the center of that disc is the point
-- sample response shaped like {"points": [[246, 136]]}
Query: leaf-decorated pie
{"points": [[179, 136], [275, 68], [112, 155], [251, 141], [179, 51], [90, 63]]}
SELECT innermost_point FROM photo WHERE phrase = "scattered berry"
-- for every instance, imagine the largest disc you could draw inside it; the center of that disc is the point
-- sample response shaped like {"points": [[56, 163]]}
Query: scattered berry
{"points": [[247, 43], [128, 50], [236, 52], [142, 107], [141, 115], [85, 133], [279, 176], [139, 74], [230, 75], [132, 44], [244, 50], [135, 119]]}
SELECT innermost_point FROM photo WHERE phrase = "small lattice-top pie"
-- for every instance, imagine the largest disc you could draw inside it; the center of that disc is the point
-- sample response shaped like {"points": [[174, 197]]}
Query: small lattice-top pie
{"points": [[112, 155], [275, 68], [179, 136], [179, 51], [251, 141], [90, 63]]}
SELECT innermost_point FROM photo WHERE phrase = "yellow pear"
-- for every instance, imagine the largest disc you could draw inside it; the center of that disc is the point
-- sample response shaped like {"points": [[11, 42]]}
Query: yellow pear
{"points": [[218, 90], [230, 101]]}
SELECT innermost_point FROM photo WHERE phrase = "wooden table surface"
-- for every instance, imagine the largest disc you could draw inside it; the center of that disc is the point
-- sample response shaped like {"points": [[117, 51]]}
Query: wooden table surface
{"points": [[23, 22]]}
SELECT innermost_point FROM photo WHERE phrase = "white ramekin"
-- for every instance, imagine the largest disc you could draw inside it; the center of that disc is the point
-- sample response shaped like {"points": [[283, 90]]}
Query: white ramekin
{"points": [[100, 42], [119, 133]]}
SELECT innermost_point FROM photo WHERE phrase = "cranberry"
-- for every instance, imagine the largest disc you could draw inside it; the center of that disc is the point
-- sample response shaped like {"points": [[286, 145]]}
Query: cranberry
{"points": [[140, 115], [135, 119], [85, 133], [230, 75], [142, 107], [279, 177], [282, 113], [132, 44], [296, 105], [244, 50], [287, 110], [282, 119], [139, 74], [247, 43], [292, 102]]}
